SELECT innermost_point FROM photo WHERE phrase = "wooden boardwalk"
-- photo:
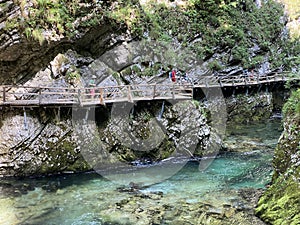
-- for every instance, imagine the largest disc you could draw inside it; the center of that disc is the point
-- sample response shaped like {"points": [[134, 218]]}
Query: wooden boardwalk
{"points": [[243, 80], [22, 96]]}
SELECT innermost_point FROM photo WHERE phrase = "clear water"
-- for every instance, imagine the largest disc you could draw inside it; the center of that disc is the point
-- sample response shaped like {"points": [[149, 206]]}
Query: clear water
{"points": [[87, 198]]}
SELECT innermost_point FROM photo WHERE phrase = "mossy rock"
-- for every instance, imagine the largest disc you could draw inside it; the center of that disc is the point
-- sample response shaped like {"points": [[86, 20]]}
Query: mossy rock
{"points": [[280, 204]]}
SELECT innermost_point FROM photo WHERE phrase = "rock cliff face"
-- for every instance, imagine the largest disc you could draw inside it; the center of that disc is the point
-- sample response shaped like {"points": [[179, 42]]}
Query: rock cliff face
{"points": [[37, 143], [280, 203], [42, 142], [25, 49], [248, 108], [32, 33]]}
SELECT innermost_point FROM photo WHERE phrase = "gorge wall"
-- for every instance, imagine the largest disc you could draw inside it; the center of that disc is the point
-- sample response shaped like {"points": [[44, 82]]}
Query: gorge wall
{"points": [[217, 37], [45, 144], [280, 203], [49, 141]]}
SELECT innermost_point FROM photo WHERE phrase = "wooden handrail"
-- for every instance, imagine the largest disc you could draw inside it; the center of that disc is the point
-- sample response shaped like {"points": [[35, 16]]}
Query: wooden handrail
{"points": [[26, 95]]}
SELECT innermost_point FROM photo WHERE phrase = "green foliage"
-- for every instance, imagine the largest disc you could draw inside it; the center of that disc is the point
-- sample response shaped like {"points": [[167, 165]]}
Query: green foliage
{"points": [[212, 25], [215, 65], [292, 106], [37, 34], [135, 69], [58, 16], [72, 75], [28, 32], [239, 54]]}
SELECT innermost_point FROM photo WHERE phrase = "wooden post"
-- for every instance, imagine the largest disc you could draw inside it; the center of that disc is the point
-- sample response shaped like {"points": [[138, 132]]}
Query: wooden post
{"points": [[25, 119], [87, 114], [173, 94], [4, 97], [40, 95], [220, 82], [154, 90], [79, 97], [129, 94], [58, 114], [101, 97], [245, 79]]}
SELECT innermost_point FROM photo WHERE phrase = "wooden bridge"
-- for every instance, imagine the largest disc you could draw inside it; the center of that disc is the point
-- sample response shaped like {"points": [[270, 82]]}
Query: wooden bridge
{"points": [[24, 96], [46, 96]]}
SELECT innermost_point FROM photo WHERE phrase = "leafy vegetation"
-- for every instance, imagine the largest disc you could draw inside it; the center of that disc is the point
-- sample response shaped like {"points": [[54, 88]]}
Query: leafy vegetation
{"points": [[49, 18], [292, 106], [72, 75], [205, 27]]}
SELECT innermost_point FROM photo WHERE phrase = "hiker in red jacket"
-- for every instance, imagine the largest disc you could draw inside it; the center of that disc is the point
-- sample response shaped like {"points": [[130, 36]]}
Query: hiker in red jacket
{"points": [[173, 76]]}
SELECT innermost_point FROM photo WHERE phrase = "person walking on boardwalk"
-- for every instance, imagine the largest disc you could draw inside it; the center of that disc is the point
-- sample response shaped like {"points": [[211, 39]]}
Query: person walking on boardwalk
{"points": [[173, 75], [92, 85]]}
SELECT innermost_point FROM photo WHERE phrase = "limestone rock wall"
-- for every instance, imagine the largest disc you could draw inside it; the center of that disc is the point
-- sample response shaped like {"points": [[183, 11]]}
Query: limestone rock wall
{"points": [[280, 203], [35, 144], [42, 141], [21, 56], [248, 108]]}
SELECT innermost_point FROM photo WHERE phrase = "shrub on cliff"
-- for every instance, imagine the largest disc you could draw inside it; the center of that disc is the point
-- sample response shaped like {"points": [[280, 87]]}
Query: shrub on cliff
{"points": [[292, 107]]}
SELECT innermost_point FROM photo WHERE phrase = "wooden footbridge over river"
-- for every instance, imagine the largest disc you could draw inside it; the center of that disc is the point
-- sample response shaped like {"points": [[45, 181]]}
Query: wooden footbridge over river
{"points": [[27, 96]]}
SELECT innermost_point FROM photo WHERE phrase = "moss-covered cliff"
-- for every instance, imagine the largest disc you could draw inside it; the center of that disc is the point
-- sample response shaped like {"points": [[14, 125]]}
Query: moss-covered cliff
{"points": [[280, 204]]}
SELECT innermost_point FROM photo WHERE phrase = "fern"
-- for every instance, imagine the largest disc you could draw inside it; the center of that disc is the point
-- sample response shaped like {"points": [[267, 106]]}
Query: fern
{"points": [[37, 35]]}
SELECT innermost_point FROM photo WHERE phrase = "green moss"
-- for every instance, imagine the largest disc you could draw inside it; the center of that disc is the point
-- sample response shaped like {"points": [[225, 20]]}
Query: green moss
{"points": [[292, 106], [281, 202], [166, 149], [215, 65]]}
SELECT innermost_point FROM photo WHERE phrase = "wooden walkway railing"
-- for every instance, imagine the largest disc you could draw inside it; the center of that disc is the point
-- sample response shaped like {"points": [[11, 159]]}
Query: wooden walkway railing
{"points": [[21, 96], [43, 96], [243, 80]]}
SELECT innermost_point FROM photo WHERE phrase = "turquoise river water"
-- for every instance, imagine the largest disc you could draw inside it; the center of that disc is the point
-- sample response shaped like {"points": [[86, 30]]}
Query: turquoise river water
{"points": [[90, 199]]}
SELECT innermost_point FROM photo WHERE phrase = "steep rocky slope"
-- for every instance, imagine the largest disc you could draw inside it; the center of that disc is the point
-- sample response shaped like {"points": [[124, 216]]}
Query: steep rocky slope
{"points": [[280, 203], [225, 37]]}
